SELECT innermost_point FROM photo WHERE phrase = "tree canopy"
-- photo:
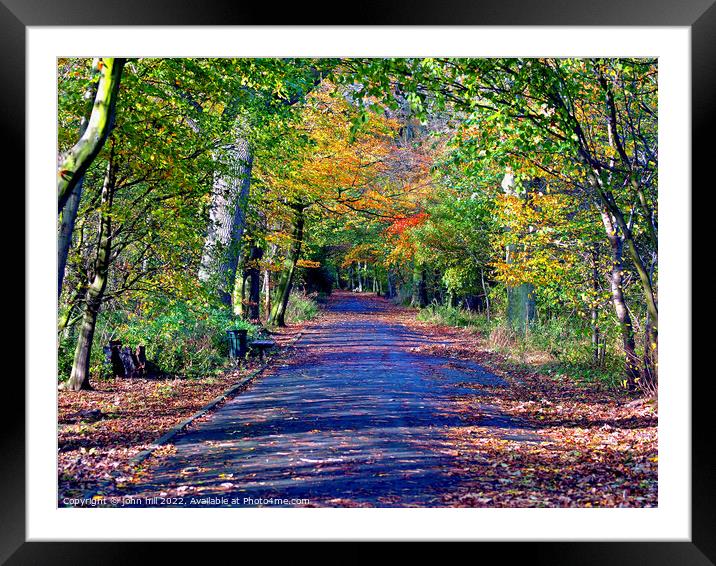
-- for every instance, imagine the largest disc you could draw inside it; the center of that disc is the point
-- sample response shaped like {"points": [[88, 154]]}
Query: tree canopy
{"points": [[198, 195]]}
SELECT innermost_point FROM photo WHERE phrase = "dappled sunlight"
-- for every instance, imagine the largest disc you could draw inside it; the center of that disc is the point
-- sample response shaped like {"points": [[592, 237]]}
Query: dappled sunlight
{"points": [[354, 415]]}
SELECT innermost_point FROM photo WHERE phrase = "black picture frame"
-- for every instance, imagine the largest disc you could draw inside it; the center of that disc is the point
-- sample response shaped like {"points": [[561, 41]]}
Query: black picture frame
{"points": [[698, 15]]}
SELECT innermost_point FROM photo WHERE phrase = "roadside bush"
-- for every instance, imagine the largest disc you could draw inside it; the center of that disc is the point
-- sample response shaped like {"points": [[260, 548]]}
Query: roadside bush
{"points": [[301, 307], [65, 357], [559, 345], [454, 316], [181, 340], [184, 340]]}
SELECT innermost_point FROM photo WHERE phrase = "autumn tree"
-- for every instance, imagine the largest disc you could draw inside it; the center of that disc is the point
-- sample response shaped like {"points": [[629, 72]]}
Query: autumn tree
{"points": [[139, 228], [521, 189], [331, 173], [259, 96], [589, 123]]}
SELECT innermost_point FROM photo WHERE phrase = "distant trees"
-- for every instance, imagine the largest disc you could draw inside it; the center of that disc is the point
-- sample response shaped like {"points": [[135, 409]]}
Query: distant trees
{"points": [[586, 126], [327, 173]]}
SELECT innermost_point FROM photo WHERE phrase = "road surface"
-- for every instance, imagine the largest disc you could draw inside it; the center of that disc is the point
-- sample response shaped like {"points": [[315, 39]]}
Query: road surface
{"points": [[358, 417]]}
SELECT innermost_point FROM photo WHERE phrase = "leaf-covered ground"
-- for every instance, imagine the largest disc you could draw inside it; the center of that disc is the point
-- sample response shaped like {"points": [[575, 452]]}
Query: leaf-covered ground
{"points": [[373, 408], [599, 448]]}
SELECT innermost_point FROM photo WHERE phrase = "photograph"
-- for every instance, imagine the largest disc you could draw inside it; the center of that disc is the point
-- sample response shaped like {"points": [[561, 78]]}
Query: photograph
{"points": [[375, 282]]}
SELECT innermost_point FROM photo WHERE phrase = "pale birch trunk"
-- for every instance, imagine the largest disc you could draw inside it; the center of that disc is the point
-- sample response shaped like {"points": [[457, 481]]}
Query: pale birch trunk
{"points": [[227, 219]]}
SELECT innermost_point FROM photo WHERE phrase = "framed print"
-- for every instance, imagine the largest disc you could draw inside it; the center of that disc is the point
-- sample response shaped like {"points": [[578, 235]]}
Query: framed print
{"points": [[405, 270]]}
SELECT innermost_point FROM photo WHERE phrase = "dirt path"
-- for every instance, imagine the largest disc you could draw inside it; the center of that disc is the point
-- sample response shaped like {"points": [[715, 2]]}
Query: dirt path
{"points": [[358, 418]]}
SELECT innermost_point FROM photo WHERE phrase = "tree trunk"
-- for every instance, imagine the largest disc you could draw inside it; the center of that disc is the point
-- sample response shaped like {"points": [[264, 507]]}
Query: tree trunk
{"points": [[267, 281], [391, 284], [521, 304], [608, 200], [596, 335], [613, 220], [339, 282], [79, 379], [521, 307], [69, 212], [450, 298], [631, 369], [267, 292], [239, 297], [64, 234], [423, 288], [639, 264], [650, 373], [487, 294], [76, 161], [254, 275], [596, 340], [420, 288], [283, 289], [227, 219]]}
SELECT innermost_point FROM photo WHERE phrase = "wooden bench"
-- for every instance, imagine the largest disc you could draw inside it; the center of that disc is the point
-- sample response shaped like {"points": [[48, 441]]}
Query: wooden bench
{"points": [[262, 345], [124, 361]]}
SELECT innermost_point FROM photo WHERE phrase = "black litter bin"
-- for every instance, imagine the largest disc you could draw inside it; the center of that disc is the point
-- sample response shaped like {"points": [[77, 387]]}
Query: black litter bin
{"points": [[238, 344]]}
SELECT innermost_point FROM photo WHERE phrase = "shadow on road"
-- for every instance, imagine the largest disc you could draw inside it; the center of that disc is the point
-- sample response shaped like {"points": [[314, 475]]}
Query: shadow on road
{"points": [[355, 417]]}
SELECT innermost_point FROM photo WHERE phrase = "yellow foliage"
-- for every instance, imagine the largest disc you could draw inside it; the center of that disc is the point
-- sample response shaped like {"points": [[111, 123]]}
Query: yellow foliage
{"points": [[535, 238]]}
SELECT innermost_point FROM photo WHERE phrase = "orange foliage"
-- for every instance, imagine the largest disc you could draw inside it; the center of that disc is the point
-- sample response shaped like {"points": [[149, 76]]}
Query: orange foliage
{"points": [[400, 225]]}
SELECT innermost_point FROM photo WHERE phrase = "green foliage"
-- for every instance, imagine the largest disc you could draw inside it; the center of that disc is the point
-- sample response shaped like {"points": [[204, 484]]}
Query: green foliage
{"points": [[401, 167], [181, 340], [301, 307], [557, 346], [454, 316], [184, 341], [65, 357]]}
